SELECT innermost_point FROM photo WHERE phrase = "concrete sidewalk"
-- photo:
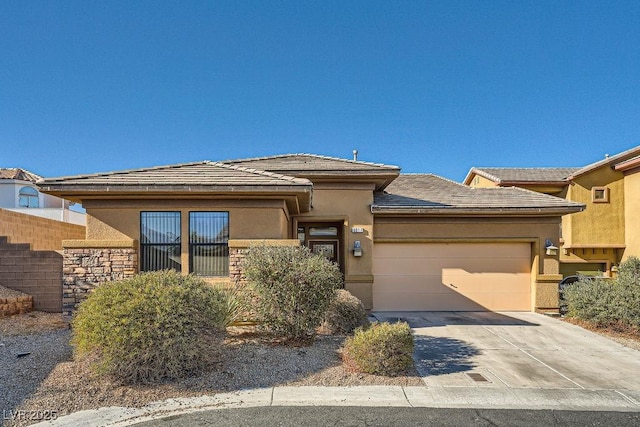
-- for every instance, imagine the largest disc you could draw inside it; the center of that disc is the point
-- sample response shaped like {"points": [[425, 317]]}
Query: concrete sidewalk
{"points": [[381, 396]]}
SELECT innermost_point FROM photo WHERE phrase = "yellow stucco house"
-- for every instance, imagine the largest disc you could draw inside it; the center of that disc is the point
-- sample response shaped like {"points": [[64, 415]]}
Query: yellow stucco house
{"points": [[596, 240], [402, 241]]}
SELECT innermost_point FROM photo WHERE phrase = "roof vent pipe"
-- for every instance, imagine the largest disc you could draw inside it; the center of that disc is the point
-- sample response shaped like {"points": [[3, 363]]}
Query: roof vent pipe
{"points": [[355, 155]]}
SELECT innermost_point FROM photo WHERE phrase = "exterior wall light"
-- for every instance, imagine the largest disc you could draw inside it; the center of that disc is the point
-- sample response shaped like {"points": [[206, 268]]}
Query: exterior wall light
{"points": [[357, 249], [552, 249]]}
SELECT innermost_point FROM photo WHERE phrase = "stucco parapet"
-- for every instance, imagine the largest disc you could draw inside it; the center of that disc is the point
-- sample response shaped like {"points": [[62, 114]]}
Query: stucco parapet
{"points": [[245, 243], [98, 244]]}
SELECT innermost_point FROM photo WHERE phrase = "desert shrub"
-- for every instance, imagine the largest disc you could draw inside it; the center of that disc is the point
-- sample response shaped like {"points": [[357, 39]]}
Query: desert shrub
{"points": [[233, 303], [150, 327], [345, 314], [294, 288], [590, 298], [626, 293], [608, 302], [383, 349]]}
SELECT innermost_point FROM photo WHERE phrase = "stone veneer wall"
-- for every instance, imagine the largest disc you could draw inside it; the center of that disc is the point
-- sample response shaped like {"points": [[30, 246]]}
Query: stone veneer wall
{"points": [[87, 264], [238, 250]]}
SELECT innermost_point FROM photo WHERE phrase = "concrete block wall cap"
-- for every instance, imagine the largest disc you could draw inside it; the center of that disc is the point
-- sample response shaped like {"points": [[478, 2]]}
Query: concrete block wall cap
{"points": [[245, 243], [98, 244]]}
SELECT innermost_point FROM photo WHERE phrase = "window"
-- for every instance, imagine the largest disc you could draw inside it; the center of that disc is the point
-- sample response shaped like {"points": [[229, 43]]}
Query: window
{"points": [[208, 243], [600, 195], [160, 241], [28, 198]]}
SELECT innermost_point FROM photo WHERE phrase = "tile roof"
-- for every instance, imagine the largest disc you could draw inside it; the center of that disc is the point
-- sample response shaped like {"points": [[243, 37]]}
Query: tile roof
{"points": [[431, 194], [19, 174], [201, 174], [303, 162], [608, 161], [522, 175]]}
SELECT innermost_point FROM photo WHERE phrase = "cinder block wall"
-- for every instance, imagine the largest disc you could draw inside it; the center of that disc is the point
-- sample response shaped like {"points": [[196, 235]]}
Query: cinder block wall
{"points": [[42, 233], [37, 273]]}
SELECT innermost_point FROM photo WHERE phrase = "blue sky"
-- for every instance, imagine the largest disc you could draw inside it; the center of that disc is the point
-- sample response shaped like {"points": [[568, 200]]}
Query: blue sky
{"points": [[431, 86]]}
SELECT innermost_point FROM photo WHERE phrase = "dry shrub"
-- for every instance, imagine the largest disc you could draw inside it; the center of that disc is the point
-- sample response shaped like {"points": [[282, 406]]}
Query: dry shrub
{"points": [[345, 314], [383, 349], [154, 326]]}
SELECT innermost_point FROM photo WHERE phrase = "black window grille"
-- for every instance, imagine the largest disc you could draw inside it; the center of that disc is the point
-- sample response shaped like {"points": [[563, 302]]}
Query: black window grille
{"points": [[160, 241], [209, 243]]}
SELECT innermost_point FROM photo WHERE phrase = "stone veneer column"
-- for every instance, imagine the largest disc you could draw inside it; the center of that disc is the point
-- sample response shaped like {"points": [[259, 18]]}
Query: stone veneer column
{"points": [[89, 263]]}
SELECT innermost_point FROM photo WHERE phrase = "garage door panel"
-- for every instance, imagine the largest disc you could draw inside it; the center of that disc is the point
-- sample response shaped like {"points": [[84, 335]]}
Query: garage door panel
{"points": [[458, 283], [409, 284], [491, 282], [416, 265], [452, 276], [452, 250], [429, 302]]}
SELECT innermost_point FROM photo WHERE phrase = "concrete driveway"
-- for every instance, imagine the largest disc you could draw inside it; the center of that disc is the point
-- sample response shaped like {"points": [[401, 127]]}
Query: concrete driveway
{"points": [[517, 350]]}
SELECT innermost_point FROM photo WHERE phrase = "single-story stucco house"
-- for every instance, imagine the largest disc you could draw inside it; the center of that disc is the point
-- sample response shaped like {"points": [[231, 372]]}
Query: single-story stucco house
{"points": [[403, 241]]}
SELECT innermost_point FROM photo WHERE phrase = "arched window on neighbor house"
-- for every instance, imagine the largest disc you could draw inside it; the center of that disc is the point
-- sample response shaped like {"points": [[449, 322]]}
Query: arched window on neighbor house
{"points": [[28, 198]]}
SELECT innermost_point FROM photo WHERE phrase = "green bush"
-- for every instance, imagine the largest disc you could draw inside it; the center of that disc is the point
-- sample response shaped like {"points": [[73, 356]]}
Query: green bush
{"points": [[345, 314], [294, 288], [590, 298], [608, 302], [154, 326], [383, 349]]}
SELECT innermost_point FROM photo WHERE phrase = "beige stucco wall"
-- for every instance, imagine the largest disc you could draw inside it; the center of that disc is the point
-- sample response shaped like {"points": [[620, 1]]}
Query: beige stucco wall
{"points": [[600, 223], [632, 213], [348, 204], [248, 219]]}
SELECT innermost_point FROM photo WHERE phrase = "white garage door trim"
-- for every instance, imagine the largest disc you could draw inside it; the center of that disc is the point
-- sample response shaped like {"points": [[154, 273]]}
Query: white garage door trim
{"points": [[452, 276]]}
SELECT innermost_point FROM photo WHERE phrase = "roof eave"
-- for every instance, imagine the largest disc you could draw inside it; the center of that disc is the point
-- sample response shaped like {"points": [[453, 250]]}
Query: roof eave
{"points": [[562, 183], [303, 193], [465, 211], [628, 164]]}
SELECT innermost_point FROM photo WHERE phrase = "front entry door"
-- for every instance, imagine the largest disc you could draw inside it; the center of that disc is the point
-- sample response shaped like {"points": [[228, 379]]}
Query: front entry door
{"points": [[328, 248], [323, 238]]}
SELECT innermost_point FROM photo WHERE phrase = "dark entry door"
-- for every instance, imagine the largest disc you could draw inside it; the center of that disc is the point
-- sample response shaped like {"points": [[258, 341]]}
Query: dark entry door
{"points": [[328, 248]]}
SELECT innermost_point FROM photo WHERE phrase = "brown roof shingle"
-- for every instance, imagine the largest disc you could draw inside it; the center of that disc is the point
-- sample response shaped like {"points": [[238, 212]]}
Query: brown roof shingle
{"points": [[431, 194]]}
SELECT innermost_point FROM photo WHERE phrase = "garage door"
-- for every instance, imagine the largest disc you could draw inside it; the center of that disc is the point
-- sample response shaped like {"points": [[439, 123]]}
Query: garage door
{"points": [[452, 276]]}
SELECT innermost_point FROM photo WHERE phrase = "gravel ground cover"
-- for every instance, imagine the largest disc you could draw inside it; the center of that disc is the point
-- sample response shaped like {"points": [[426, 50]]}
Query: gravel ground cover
{"points": [[51, 380]]}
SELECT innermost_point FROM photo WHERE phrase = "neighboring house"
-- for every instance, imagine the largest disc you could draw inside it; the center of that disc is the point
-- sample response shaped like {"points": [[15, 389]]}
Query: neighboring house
{"points": [[403, 242], [19, 193], [597, 240]]}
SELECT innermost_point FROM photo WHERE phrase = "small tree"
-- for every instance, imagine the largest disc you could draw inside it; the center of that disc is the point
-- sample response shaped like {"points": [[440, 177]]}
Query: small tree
{"points": [[294, 288]]}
